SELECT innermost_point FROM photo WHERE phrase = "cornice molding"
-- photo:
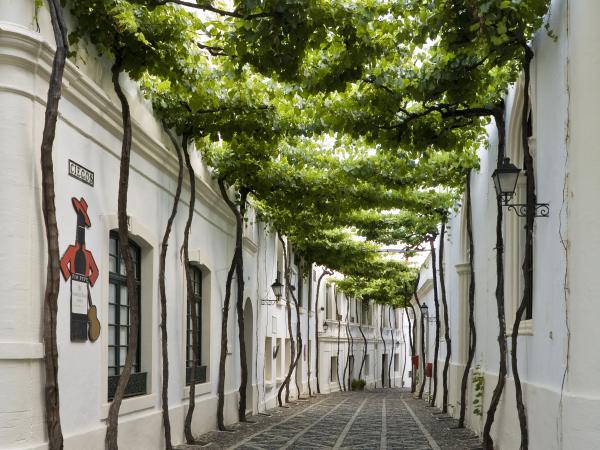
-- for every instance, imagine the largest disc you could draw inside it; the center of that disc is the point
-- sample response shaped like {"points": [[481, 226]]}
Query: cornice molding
{"points": [[463, 268], [28, 50], [425, 287], [249, 244]]}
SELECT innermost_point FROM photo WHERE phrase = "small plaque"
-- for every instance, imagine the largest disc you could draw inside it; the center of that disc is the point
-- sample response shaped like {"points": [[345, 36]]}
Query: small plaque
{"points": [[81, 173], [79, 303]]}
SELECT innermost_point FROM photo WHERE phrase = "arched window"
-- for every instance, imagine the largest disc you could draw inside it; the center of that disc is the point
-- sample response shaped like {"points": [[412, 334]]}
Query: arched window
{"points": [[463, 269], [514, 225]]}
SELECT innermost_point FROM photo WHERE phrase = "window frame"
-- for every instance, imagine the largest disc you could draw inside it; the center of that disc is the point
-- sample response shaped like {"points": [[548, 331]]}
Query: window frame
{"points": [[197, 284], [137, 384], [333, 368]]}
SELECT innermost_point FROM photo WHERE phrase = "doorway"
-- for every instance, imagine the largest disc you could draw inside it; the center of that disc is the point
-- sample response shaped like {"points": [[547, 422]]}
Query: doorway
{"points": [[249, 340], [384, 369]]}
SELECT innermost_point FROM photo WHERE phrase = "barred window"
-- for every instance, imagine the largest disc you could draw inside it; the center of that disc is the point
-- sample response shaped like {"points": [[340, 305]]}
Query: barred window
{"points": [[196, 276], [119, 320]]}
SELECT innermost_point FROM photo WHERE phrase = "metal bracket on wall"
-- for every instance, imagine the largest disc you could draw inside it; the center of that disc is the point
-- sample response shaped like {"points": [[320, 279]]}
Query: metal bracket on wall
{"points": [[520, 209]]}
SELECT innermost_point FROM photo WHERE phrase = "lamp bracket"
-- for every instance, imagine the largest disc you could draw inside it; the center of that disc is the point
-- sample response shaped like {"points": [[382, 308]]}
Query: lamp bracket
{"points": [[520, 209]]}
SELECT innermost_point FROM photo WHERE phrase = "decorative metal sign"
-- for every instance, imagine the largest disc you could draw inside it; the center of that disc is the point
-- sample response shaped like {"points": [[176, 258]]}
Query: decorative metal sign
{"points": [[78, 265], [81, 173]]}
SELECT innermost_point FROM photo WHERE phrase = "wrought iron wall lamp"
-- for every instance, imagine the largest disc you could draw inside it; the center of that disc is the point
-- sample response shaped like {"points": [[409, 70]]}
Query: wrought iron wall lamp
{"points": [[277, 288], [505, 183]]}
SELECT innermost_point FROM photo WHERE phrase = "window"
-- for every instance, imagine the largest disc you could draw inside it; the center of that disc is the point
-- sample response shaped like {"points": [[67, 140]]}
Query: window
{"points": [[366, 313], [328, 304], [337, 304], [279, 359], [196, 276], [297, 280], [396, 362], [268, 360], [118, 319], [367, 365], [333, 369]]}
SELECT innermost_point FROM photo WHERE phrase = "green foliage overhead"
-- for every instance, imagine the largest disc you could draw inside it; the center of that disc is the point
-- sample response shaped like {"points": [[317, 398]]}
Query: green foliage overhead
{"points": [[387, 282], [351, 123]]}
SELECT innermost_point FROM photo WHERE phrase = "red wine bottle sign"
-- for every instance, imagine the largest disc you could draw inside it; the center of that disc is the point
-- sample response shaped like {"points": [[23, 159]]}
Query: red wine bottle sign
{"points": [[78, 265]]}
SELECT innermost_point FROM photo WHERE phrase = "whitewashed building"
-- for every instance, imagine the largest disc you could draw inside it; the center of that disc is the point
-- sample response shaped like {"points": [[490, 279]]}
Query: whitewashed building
{"points": [[558, 366]]}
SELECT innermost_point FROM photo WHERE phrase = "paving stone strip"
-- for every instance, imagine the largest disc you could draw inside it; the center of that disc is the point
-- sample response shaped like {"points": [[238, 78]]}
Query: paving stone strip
{"points": [[383, 442], [306, 429], [432, 442], [342, 436], [443, 431]]}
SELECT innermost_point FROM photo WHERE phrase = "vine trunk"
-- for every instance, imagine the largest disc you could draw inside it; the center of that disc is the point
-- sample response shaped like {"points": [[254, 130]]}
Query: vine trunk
{"points": [[163, 296], [51, 390]]}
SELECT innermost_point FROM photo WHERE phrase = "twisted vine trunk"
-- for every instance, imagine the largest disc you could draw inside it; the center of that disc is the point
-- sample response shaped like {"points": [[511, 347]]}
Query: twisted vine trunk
{"points": [[437, 323], [393, 346], [238, 262], [528, 260], [239, 258], [411, 344], [223, 353], [446, 322], [351, 367], [488, 443], [224, 320], [404, 347], [472, 330], [317, 327], [337, 359], [413, 334], [310, 284], [364, 356], [346, 365], [132, 294], [286, 383], [298, 342], [163, 297], [293, 360], [384, 347], [422, 388], [187, 425], [51, 390]]}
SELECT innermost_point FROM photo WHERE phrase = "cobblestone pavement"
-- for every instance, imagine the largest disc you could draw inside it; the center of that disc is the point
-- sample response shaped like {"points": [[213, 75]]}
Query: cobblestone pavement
{"points": [[375, 419]]}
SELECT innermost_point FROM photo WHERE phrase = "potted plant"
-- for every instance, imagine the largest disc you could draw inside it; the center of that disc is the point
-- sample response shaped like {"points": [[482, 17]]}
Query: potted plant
{"points": [[358, 384]]}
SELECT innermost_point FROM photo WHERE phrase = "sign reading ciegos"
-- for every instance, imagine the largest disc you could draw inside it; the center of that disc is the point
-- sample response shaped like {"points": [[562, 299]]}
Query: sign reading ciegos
{"points": [[81, 173]]}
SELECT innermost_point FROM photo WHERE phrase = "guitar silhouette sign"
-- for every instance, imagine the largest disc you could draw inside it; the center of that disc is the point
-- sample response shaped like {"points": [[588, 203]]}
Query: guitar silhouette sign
{"points": [[78, 265]]}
